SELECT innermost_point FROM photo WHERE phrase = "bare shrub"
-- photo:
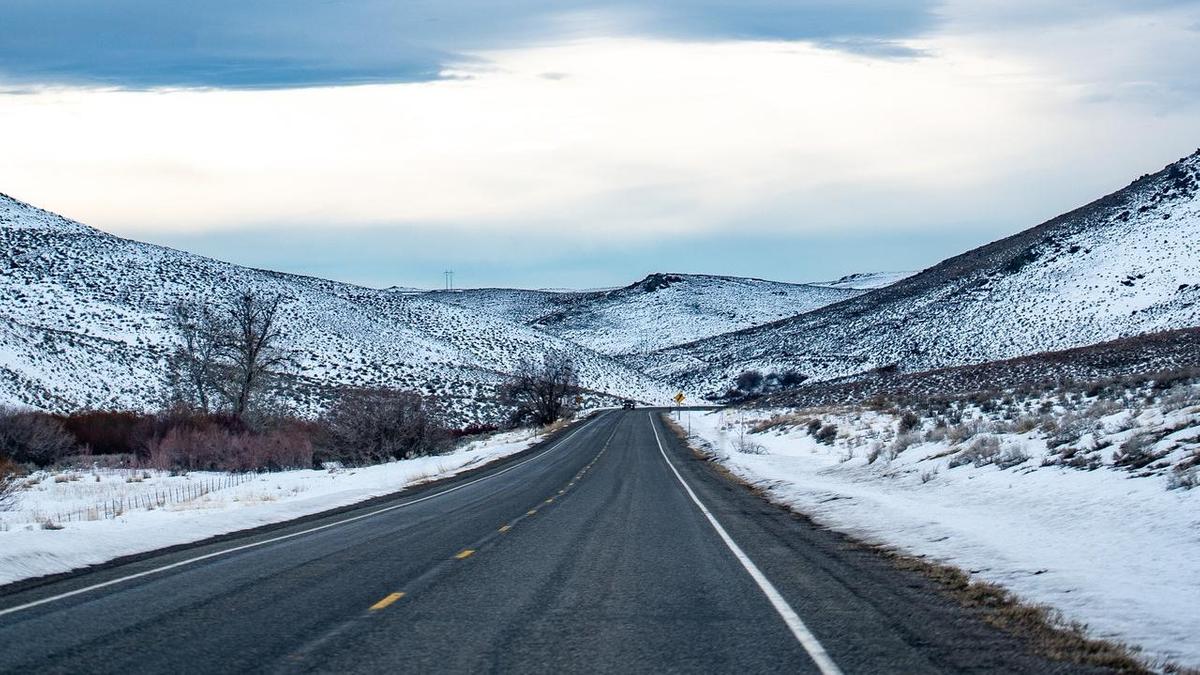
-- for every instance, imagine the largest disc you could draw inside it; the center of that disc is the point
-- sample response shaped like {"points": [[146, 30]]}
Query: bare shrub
{"points": [[826, 434], [748, 447], [1104, 408], [874, 453], [965, 431], [1026, 423], [779, 422], [1048, 425], [540, 392], [106, 432], [1183, 478], [749, 381], [1180, 396], [375, 425], [752, 383], [908, 421], [1137, 451], [813, 426], [929, 475], [10, 484], [1070, 428], [1011, 457], [904, 441], [180, 440], [33, 437], [982, 452], [936, 434]]}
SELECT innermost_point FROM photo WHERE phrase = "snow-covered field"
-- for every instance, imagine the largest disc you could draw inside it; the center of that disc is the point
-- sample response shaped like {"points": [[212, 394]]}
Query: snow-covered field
{"points": [[28, 549], [1048, 503]]}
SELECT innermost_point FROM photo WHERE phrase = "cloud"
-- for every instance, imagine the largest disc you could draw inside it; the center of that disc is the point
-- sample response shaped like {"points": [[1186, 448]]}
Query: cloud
{"points": [[1141, 52], [536, 136], [233, 44]]}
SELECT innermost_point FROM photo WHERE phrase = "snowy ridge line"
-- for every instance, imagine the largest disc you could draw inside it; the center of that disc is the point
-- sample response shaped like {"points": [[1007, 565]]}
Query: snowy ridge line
{"points": [[660, 310], [1121, 266]]}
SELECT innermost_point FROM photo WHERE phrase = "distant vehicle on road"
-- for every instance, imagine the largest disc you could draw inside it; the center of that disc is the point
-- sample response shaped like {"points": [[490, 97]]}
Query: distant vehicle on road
{"points": [[628, 405]]}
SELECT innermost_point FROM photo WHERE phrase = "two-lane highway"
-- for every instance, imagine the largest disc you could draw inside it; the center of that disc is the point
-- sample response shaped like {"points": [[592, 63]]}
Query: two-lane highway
{"points": [[611, 548]]}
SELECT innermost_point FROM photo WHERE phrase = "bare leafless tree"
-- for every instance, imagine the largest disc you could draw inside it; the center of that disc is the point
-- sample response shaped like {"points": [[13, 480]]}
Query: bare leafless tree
{"points": [[541, 392], [196, 363], [251, 345], [227, 354]]}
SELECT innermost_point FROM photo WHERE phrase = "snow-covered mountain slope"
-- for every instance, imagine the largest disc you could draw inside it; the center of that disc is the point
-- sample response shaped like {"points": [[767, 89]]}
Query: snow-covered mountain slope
{"points": [[513, 304], [865, 281], [669, 309], [1125, 264], [656, 312], [83, 323]]}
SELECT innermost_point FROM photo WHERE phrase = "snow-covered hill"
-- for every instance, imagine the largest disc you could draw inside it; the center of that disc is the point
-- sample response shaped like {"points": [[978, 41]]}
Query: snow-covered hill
{"points": [[866, 281], [1125, 264], [668, 309], [658, 311], [84, 324], [513, 304]]}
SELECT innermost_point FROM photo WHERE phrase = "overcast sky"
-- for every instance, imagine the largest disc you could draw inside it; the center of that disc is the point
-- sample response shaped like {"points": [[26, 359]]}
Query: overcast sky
{"points": [[585, 143]]}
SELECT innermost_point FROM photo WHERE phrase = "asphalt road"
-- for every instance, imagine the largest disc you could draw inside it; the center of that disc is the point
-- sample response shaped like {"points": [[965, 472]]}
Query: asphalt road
{"points": [[608, 549]]}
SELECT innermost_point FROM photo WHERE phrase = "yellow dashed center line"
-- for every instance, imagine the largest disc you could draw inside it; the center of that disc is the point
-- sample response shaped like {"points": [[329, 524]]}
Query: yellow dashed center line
{"points": [[468, 552], [386, 601]]}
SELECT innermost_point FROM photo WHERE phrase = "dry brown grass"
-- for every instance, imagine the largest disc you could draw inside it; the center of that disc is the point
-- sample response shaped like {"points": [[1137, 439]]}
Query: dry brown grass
{"points": [[1045, 629], [786, 421], [557, 425]]}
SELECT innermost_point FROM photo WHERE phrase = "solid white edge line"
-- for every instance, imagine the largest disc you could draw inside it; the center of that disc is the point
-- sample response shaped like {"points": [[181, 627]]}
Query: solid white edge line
{"points": [[805, 637], [112, 582]]}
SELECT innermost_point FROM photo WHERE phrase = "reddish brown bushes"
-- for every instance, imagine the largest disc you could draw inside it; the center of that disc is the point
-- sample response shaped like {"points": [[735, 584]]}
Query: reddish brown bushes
{"points": [[30, 437], [107, 432], [176, 439], [474, 429], [367, 426], [362, 427], [213, 447]]}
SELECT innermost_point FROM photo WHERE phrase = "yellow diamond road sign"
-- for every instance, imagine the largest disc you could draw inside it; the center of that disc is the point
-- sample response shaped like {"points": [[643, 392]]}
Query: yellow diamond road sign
{"points": [[679, 398]]}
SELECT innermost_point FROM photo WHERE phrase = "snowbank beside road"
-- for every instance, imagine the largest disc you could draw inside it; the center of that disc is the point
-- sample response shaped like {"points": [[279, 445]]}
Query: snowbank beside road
{"points": [[28, 550], [1108, 547]]}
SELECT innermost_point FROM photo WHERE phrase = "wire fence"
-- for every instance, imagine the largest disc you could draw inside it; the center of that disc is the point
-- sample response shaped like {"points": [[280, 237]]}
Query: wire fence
{"points": [[158, 498]]}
